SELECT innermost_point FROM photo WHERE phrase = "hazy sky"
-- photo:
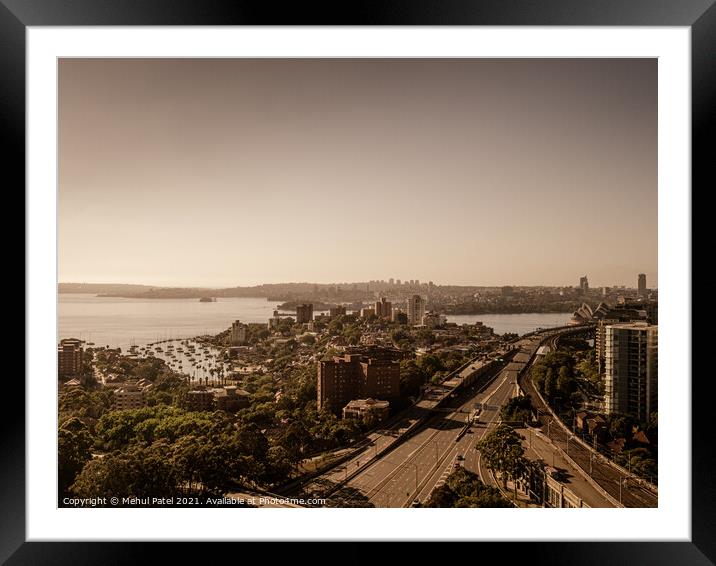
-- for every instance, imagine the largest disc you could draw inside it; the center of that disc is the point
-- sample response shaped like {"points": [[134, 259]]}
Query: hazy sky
{"points": [[224, 172]]}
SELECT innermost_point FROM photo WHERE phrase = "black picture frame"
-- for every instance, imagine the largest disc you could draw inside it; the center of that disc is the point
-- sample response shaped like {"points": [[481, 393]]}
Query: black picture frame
{"points": [[699, 15]]}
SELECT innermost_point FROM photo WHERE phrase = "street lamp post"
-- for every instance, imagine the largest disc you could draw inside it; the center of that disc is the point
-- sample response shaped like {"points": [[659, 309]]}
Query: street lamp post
{"points": [[416, 477]]}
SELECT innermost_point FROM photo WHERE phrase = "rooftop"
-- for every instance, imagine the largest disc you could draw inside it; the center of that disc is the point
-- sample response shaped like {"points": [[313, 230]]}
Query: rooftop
{"points": [[367, 403], [636, 325]]}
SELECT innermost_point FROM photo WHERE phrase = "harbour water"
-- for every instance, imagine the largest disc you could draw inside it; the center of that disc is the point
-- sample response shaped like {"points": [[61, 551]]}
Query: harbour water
{"points": [[516, 323], [122, 322]]}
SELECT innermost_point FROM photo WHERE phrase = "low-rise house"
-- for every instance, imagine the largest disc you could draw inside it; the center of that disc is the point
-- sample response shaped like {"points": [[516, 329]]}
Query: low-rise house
{"points": [[113, 380], [129, 396], [362, 408], [231, 399], [596, 425], [617, 445], [640, 437], [581, 420]]}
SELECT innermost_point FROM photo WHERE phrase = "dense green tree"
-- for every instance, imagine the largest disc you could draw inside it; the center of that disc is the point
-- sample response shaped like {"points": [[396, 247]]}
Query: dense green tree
{"points": [[184, 461], [620, 426], [295, 441], [565, 380], [503, 453], [641, 462], [148, 369], [426, 336], [463, 488], [252, 441], [279, 464], [443, 497], [83, 404], [401, 337], [261, 414], [431, 364], [587, 366], [73, 451], [550, 384], [400, 319], [138, 471], [412, 377], [116, 428], [517, 409], [335, 326], [120, 428]]}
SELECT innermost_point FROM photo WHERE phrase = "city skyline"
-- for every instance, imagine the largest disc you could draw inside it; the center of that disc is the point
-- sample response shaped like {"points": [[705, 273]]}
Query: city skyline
{"points": [[218, 173], [403, 283]]}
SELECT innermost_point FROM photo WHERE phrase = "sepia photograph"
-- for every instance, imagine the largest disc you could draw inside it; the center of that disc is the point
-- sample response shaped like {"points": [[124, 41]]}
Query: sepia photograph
{"points": [[357, 282]]}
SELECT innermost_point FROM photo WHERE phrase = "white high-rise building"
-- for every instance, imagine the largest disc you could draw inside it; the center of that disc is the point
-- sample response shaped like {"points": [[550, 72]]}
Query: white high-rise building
{"points": [[415, 310], [631, 369]]}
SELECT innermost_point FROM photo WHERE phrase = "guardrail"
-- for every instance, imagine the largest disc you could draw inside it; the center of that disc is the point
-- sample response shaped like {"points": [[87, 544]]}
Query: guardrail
{"points": [[579, 469], [601, 457], [397, 442], [362, 444], [639, 480]]}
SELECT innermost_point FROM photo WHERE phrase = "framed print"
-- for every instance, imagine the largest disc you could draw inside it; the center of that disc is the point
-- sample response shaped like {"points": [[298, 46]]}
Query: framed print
{"points": [[393, 277]]}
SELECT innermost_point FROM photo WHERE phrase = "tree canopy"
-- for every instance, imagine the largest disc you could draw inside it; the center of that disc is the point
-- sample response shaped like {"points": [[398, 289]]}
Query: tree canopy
{"points": [[503, 452], [463, 488]]}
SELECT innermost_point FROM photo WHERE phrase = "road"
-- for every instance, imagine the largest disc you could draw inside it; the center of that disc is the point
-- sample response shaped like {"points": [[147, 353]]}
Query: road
{"points": [[376, 442], [380, 439], [609, 478], [416, 463], [412, 469], [537, 447]]}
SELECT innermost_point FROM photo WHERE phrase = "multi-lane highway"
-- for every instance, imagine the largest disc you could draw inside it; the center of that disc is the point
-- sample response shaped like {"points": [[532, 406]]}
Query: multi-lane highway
{"points": [[395, 469], [381, 439], [622, 488], [410, 471], [491, 401], [399, 428]]}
